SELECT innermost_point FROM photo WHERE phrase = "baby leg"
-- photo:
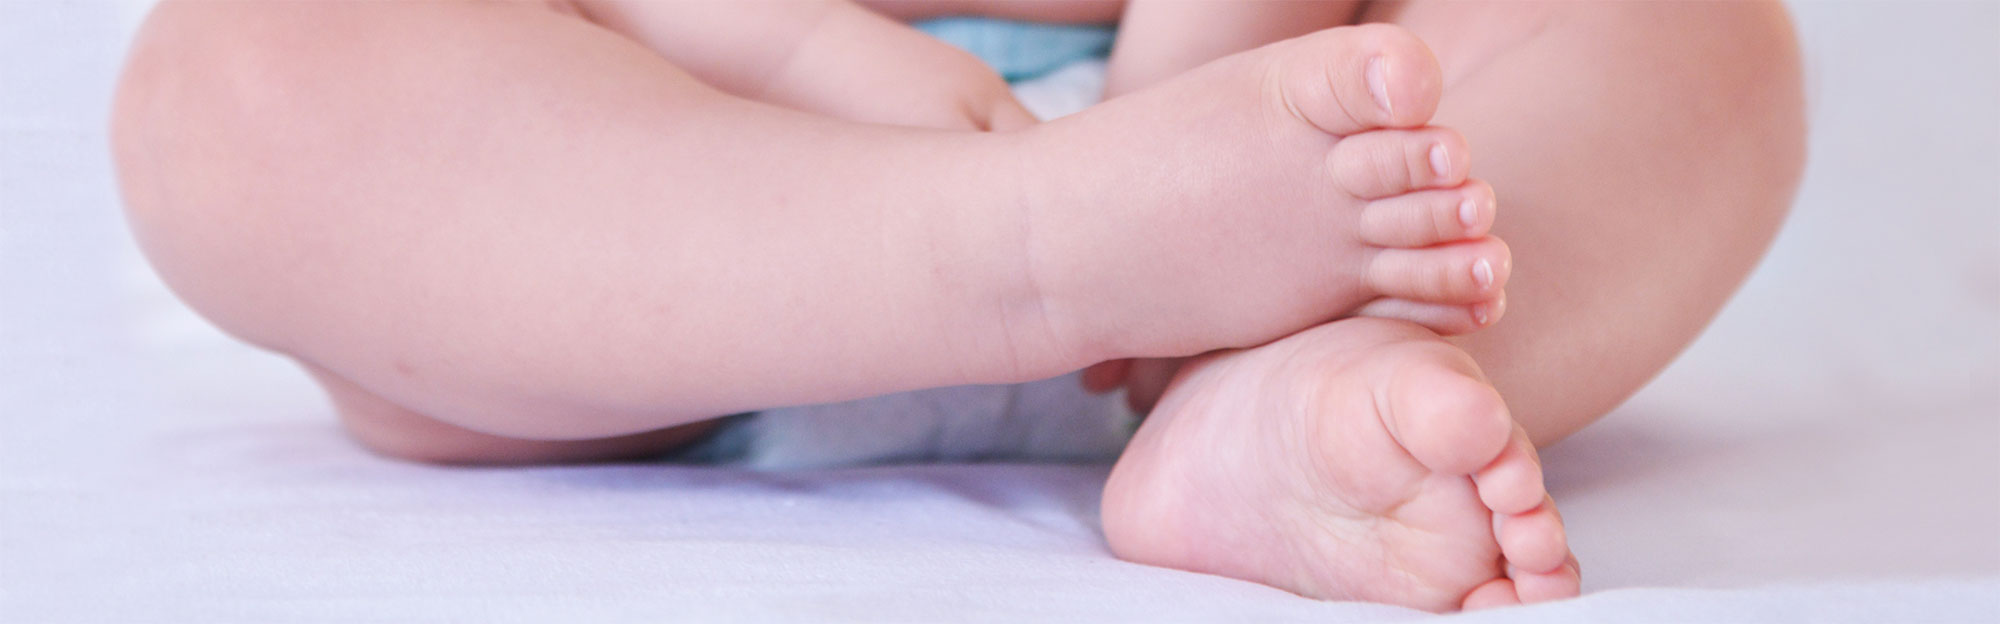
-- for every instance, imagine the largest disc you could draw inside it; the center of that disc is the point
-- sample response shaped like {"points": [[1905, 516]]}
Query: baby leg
{"points": [[1680, 152], [1640, 208], [510, 220], [521, 224], [1688, 149], [1636, 210], [823, 56]]}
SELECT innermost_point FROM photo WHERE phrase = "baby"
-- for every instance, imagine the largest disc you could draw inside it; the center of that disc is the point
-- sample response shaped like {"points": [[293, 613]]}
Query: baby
{"points": [[512, 232]]}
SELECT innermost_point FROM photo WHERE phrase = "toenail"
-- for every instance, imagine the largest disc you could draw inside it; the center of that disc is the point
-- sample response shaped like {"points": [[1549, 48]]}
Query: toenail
{"points": [[1481, 314], [1468, 214], [1377, 76], [1439, 164], [1482, 272]]}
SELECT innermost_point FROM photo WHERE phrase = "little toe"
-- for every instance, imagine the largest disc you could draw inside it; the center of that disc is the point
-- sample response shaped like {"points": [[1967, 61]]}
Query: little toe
{"points": [[1564, 582], [1426, 218], [1465, 272], [1512, 484], [1445, 319], [1449, 421], [1383, 163], [1534, 541], [1347, 80], [1498, 592]]}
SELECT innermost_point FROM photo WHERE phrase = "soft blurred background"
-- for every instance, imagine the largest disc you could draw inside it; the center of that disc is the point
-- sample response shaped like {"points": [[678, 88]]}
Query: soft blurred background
{"points": [[1830, 448]]}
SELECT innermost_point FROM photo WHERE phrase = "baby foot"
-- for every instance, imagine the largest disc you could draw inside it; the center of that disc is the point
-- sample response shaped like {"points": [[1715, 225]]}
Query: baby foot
{"points": [[1261, 194], [1363, 459]]}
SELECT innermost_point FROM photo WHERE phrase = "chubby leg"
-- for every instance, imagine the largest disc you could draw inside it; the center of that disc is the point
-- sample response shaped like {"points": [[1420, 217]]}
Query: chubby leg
{"points": [[538, 239], [828, 57], [1644, 155], [1638, 209], [571, 238]]}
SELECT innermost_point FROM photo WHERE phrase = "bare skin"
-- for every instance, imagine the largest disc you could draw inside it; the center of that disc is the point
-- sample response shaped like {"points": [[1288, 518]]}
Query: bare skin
{"points": [[1161, 39], [825, 57], [1684, 150], [1361, 501], [1361, 460], [1533, 565], [519, 283]]}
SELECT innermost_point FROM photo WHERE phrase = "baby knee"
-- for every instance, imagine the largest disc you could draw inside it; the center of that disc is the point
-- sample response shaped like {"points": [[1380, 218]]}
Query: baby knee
{"points": [[178, 142]]}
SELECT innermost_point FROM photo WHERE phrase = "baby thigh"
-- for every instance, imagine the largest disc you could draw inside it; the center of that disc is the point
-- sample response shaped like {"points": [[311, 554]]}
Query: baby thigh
{"points": [[1643, 155], [244, 136]]}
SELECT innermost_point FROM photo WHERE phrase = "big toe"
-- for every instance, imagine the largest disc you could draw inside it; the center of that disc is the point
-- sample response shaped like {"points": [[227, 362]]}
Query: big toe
{"points": [[1356, 78], [1445, 417]]}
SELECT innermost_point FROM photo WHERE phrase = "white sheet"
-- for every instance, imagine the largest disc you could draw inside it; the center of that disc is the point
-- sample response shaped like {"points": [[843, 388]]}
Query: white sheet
{"points": [[1826, 452]]}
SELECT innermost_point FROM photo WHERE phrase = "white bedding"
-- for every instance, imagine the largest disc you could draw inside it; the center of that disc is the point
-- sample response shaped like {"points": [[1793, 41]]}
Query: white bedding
{"points": [[1830, 450]]}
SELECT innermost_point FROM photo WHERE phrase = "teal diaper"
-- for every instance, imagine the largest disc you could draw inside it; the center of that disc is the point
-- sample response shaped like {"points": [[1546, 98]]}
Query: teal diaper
{"points": [[1022, 50]]}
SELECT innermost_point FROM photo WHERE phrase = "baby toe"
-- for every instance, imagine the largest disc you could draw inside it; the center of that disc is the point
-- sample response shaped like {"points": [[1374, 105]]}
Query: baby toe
{"points": [[1426, 218], [1348, 80], [1378, 164], [1464, 273], [1533, 542], [1512, 484], [1498, 592], [1445, 319], [1447, 420], [1563, 582]]}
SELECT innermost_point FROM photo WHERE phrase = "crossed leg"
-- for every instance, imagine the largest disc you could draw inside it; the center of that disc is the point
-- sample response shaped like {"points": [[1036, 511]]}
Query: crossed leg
{"points": [[1644, 155], [1591, 132], [828, 57], [240, 74], [545, 241]]}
